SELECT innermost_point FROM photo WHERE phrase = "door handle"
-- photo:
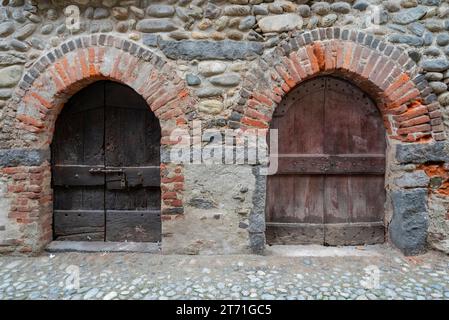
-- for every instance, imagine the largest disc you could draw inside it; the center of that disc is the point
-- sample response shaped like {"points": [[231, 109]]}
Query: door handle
{"points": [[105, 170]]}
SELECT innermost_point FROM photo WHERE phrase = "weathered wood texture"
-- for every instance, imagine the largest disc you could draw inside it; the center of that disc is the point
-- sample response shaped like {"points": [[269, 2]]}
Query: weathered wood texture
{"points": [[106, 167], [329, 188]]}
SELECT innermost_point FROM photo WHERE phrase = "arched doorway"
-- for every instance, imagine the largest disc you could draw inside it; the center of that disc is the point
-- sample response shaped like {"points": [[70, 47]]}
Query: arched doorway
{"points": [[329, 188], [106, 167]]}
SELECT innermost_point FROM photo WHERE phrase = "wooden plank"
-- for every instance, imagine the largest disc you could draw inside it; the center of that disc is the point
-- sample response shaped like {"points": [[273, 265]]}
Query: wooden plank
{"points": [[79, 225], [309, 200], [331, 164], [353, 234], [76, 175], [143, 176], [294, 233], [138, 226]]}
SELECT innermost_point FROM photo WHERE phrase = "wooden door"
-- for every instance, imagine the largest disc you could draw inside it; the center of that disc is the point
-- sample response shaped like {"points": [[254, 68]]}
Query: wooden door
{"points": [[329, 188], [106, 167]]}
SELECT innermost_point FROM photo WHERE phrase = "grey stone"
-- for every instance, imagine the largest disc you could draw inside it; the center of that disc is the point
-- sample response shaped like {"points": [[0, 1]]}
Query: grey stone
{"points": [[430, 2], [254, 36], [193, 80], [413, 179], [11, 58], [321, 8], [237, 10], [432, 51], [208, 92], [150, 40], [408, 16], [9, 76], [434, 25], [304, 10], [438, 87], [205, 50], [408, 227], [101, 13], [417, 28], [428, 38], [257, 242], [6, 28], [414, 55], [259, 10], [247, 23], [361, 5], [47, 28], [120, 13], [18, 16], [443, 39], [341, 7], [25, 31], [212, 11], [38, 43], [23, 157], [434, 76], [406, 39], [5, 93], [210, 68], [422, 153], [179, 35], [227, 80], [280, 23], [443, 99], [437, 65], [392, 6], [160, 11], [210, 106], [155, 25], [19, 45], [328, 20], [202, 203]]}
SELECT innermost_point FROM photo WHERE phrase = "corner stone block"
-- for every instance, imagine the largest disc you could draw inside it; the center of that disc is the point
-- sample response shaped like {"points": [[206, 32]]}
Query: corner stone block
{"points": [[422, 153], [413, 179], [408, 228]]}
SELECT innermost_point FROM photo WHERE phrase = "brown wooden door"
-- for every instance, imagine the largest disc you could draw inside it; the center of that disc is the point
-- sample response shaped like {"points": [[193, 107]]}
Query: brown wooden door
{"points": [[329, 188], [106, 167]]}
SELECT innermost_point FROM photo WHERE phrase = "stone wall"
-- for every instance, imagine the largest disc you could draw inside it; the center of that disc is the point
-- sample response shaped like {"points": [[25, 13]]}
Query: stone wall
{"points": [[228, 64]]}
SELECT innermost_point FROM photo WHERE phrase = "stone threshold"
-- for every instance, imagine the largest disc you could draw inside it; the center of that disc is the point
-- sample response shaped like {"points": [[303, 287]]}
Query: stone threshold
{"points": [[100, 246], [315, 250]]}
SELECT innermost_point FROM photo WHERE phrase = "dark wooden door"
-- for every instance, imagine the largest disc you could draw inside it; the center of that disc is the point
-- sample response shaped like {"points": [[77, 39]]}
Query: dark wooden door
{"points": [[329, 188], [106, 167]]}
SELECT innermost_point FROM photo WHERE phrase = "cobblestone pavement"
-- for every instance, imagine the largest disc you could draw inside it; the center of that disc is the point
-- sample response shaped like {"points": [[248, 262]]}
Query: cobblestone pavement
{"points": [[150, 276]]}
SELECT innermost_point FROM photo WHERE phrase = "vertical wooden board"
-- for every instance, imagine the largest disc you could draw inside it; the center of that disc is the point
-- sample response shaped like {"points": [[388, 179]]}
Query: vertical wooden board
{"points": [[338, 119], [309, 201], [309, 119], [336, 199], [357, 186], [93, 142], [375, 198], [67, 145], [285, 208]]}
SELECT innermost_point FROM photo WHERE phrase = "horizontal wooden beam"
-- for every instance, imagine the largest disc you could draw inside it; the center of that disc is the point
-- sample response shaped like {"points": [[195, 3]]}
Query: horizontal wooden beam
{"points": [[331, 164]]}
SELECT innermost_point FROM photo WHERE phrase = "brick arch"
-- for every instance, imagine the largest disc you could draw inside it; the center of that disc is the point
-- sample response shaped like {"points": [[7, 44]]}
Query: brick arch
{"points": [[410, 110], [40, 97], [74, 64]]}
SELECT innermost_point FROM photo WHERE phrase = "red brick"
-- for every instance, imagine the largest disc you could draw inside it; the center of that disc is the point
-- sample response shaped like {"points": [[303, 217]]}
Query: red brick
{"points": [[254, 123], [415, 121]]}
